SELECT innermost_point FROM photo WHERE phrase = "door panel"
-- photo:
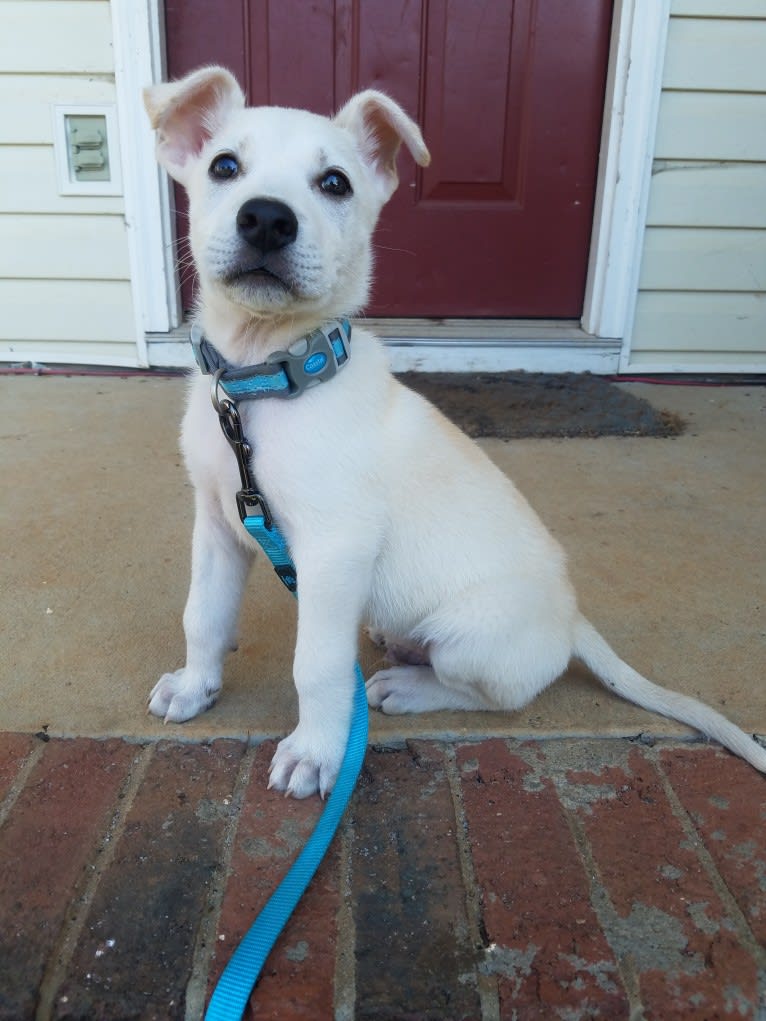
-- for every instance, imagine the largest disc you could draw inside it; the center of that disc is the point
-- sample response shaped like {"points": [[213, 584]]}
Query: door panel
{"points": [[510, 97]]}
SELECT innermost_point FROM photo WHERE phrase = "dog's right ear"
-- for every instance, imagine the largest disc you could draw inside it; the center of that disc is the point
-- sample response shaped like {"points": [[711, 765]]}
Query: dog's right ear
{"points": [[188, 112]]}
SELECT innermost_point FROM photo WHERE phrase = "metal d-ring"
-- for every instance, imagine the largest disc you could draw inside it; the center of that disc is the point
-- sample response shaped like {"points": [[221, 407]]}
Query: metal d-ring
{"points": [[219, 407]]}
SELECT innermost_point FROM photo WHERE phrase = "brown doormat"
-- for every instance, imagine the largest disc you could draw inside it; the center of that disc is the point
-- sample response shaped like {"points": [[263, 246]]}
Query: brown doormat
{"points": [[511, 405]]}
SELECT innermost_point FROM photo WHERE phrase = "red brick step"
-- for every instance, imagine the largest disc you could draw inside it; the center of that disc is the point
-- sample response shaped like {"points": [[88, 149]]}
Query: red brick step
{"points": [[495, 880]]}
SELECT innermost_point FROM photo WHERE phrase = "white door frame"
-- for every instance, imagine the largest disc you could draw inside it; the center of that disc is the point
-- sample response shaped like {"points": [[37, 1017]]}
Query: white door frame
{"points": [[634, 82], [634, 85], [138, 36]]}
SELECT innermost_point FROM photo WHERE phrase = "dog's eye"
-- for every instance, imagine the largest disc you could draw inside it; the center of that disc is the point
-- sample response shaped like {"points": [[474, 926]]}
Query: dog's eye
{"points": [[335, 182], [224, 167]]}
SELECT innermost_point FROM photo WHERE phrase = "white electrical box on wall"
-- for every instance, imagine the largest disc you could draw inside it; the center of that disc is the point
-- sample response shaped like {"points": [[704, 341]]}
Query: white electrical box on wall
{"points": [[87, 150]]}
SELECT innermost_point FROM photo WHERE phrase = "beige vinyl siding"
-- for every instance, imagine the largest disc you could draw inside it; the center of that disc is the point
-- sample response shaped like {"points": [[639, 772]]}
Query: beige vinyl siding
{"points": [[707, 194], [26, 102], [67, 310], [719, 8], [51, 248], [702, 290], [723, 53], [706, 259], [28, 185], [56, 36], [64, 270]]}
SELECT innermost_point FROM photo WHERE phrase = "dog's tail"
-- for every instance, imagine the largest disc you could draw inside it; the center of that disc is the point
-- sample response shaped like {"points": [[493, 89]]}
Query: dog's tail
{"points": [[616, 675]]}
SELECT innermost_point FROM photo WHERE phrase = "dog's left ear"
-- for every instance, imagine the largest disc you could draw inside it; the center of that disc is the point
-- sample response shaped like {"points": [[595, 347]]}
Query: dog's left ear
{"points": [[379, 126]]}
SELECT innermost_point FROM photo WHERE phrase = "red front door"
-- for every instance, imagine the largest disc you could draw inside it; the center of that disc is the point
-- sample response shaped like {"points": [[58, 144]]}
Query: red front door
{"points": [[510, 97]]}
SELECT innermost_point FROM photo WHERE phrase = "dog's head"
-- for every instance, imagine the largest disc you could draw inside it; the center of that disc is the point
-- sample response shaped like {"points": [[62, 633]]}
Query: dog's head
{"points": [[282, 202]]}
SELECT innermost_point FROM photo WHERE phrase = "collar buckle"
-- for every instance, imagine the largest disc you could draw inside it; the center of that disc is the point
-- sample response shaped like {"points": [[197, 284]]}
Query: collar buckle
{"points": [[314, 358]]}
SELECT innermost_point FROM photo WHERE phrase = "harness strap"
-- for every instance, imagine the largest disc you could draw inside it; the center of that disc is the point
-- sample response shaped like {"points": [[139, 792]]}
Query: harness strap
{"points": [[273, 544]]}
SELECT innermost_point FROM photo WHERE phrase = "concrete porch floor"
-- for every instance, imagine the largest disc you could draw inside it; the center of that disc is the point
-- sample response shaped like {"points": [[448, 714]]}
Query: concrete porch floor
{"points": [[665, 540], [571, 878]]}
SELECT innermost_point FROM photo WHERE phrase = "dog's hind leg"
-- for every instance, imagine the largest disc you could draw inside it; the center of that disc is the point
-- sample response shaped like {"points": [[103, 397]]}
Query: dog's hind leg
{"points": [[487, 650]]}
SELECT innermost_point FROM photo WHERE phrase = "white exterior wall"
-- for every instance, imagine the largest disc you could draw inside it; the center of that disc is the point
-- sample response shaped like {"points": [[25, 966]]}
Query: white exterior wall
{"points": [[65, 284], [702, 291]]}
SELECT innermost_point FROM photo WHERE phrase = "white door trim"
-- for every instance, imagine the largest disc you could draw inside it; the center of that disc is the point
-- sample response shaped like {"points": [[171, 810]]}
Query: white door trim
{"points": [[634, 83], [139, 60], [633, 88]]}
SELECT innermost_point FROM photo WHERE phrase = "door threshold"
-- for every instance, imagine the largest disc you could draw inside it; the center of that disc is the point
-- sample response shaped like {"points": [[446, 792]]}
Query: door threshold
{"points": [[455, 345], [500, 330], [494, 345]]}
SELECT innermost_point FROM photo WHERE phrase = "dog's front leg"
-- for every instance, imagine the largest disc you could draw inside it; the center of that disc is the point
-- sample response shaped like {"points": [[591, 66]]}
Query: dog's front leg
{"points": [[220, 565], [331, 597]]}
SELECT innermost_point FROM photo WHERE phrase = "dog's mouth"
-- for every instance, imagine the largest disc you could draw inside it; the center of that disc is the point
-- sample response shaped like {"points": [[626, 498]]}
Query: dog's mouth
{"points": [[254, 276]]}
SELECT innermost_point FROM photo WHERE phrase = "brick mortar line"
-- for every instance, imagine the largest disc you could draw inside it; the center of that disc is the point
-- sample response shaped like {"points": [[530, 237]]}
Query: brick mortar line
{"points": [[604, 909], [486, 984], [85, 890], [344, 979], [18, 785], [205, 943], [745, 933]]}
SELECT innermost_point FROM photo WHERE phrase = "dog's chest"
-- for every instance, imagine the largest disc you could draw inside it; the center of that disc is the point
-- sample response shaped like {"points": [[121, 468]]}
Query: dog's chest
{"points": [[294, 445]]}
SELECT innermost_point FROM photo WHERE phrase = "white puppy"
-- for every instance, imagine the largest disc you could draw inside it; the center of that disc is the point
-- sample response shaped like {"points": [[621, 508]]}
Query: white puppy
{"points": [[391, 514]]}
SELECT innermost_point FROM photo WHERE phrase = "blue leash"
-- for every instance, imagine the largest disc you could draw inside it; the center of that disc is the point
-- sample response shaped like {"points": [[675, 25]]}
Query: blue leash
{"points": [[232, 992]]}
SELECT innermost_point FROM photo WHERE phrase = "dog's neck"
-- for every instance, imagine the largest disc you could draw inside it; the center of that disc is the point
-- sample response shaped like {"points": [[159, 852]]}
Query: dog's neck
{"points": [[246, 338]]}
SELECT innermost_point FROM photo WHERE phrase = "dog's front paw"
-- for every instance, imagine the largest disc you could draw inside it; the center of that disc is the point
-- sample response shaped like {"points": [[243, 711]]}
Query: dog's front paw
{"points": [[179, 696], [305, 764]]}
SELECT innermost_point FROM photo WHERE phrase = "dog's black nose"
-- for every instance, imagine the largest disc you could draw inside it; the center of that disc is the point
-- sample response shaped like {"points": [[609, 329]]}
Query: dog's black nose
{"points": [[267, 224]]}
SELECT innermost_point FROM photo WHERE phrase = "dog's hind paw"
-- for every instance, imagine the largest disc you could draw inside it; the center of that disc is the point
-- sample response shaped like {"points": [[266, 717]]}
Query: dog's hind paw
{"points": [[178, 697], [416, 689], [301, 767]]}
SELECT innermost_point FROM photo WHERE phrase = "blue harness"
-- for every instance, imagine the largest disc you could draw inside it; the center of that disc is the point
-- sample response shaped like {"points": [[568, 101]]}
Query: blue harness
{"points": [[313, 359]]}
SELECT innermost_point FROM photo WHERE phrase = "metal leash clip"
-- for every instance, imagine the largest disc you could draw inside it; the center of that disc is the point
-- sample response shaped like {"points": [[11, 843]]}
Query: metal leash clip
{"points": [[231, 425]]}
